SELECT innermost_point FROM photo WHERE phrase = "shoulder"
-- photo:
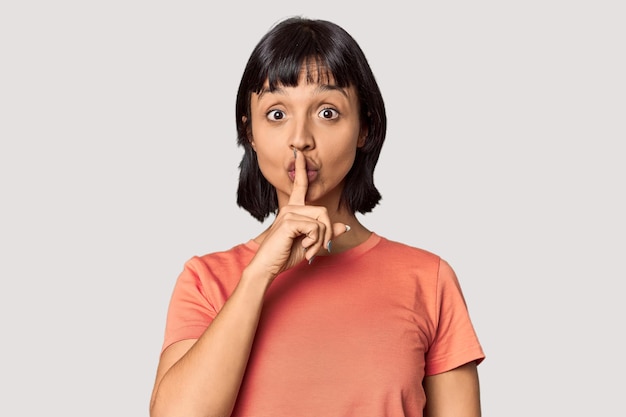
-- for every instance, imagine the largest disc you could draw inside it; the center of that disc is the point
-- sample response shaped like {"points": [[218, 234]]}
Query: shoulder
{"points": [[411, 262], [234, 258], [398, 251], [213, 273]]}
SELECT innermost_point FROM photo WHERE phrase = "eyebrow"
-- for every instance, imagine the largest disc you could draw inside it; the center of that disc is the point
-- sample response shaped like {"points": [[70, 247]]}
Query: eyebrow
{"points": [[321, 88]]}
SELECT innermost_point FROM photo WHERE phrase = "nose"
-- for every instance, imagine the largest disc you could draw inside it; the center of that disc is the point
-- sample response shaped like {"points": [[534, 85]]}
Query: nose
{"points": [[301, 137]]}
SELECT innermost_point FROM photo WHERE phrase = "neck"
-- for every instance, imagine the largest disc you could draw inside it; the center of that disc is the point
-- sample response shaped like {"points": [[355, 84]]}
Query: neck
{"points": [[358, 232]]}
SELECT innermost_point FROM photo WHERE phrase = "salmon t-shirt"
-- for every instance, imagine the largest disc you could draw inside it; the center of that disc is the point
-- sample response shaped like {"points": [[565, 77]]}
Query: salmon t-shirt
{"points": [[352, 334]]}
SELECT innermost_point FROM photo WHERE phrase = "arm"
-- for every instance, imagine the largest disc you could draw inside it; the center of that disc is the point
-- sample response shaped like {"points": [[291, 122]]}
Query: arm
{"points": [[202, 377], [454, 393]]}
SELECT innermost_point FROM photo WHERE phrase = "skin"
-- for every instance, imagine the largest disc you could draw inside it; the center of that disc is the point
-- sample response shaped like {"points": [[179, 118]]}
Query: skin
{"points": [[306, 139], [455, 393]]}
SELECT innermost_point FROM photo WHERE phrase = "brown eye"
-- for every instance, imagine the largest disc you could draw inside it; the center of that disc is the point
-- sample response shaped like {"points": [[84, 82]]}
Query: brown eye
{"points": [[275, 115], [329, 114]]}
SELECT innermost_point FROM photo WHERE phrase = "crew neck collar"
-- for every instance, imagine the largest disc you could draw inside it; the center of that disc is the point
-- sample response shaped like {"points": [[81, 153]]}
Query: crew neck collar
{"points": [[344, 256]]}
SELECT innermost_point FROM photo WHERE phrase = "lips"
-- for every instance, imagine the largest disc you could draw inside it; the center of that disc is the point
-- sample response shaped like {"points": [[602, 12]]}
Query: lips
{"points": [[311, 175], [311, 171]]}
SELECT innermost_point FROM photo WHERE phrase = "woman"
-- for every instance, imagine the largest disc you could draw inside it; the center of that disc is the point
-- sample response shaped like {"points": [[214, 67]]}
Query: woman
{"points": [[317, 316]]}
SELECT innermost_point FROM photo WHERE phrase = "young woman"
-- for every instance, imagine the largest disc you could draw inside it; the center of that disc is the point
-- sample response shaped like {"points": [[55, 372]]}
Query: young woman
{"points": [[316, 316]]}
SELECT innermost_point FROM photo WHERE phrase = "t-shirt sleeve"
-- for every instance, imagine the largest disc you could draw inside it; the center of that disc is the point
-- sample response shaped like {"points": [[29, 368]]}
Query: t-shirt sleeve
{"points": [[455, 342], [189, 312]]}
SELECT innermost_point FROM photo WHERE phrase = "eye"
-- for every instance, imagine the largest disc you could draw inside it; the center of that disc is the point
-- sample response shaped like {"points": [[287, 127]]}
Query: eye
{"points": [[275, 115], [328, 113]]}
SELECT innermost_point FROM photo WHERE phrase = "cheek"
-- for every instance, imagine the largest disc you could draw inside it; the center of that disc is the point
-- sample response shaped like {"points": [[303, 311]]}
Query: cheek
{"points": [[265, 161], [269, 165], [343, 152], [340, 160], [265, 153]]}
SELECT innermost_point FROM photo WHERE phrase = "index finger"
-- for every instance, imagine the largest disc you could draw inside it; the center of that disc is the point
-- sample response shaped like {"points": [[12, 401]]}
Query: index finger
{"points": [[300, 181]]}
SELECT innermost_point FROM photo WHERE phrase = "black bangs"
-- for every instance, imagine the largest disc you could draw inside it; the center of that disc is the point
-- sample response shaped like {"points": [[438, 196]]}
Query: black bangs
{"points": [[287, 52], [315, 70]]}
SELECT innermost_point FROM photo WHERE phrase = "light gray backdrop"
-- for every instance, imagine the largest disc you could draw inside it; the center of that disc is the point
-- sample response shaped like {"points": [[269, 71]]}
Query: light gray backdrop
{"points": [[118, 163]]}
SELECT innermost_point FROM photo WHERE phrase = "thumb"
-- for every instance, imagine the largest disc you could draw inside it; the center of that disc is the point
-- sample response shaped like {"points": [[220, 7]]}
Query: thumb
{"points": [[340, 228]]}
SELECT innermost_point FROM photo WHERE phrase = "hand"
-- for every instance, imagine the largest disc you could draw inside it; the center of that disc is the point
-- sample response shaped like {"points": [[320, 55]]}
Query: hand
{"points": [[299, 231]]}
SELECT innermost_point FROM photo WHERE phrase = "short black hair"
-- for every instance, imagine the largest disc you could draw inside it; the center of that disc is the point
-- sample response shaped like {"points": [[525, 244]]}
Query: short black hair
{"points": [[278, 59]]}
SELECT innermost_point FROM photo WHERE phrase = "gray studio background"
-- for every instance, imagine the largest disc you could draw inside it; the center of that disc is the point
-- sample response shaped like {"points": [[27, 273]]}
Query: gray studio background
{"points": [[118, 163]]}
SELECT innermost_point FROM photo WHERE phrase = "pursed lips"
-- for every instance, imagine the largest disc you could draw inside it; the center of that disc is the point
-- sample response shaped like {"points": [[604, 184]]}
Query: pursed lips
{"points": [[311, 171]]}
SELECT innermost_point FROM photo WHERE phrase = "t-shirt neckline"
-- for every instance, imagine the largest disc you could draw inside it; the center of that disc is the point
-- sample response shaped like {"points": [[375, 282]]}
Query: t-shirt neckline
{"points": [[344, 256]]}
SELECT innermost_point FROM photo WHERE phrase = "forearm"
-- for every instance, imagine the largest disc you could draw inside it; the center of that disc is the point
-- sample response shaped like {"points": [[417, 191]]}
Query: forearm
{"points": [[455, 393], [206, 380]]}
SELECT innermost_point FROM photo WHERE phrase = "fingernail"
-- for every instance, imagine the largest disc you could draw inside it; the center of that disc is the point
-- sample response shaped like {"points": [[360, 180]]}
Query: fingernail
{"points": [[311, 260], [295, 152], [328, 245], [347, 228]]}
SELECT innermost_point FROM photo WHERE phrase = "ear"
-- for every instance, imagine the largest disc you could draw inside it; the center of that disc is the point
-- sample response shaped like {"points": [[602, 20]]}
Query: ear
{"points": [[244, 119], [362, 137]]}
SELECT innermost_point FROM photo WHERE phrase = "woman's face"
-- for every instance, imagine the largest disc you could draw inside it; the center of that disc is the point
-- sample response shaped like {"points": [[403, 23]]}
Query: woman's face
{"points": [[318, 119]]}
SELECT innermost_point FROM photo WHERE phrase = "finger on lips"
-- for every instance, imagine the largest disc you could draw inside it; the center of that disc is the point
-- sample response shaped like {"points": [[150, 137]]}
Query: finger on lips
{"points": [[300, 182]]}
